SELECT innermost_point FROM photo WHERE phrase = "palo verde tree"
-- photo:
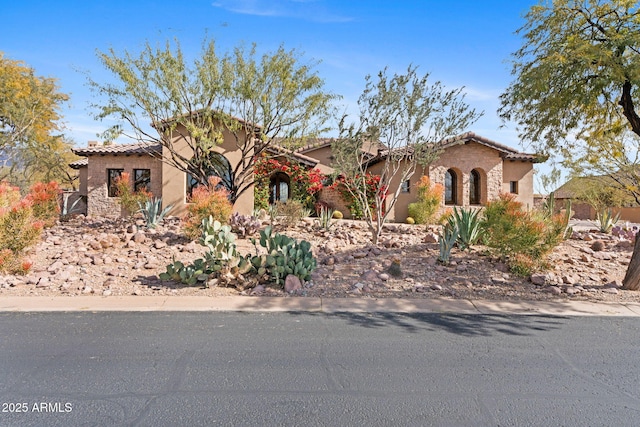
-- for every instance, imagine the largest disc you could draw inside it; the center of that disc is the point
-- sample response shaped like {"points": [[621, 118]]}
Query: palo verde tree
{"points": [[576, 89], [258, 100], [401, 120], [31, 142]]}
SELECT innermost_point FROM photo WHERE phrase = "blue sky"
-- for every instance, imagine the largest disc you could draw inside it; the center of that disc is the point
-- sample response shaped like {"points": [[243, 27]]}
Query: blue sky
{"points": [[459, 42]]}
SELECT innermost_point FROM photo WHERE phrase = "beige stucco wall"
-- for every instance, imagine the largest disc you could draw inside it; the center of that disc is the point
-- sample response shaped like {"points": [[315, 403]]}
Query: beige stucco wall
{"points": [[83, 174], [523, 173], [174, 181], [322, 155], [98, 202]]}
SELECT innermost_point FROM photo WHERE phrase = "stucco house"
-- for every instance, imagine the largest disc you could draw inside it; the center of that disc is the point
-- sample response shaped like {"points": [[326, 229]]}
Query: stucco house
{"points": [[473, 170]]}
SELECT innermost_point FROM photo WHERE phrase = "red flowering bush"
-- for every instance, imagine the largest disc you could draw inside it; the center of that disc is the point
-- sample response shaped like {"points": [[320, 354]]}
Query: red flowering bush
{"points": [[44, 198], [19, 227], [347, 189], [210, 200], [304, 183]]}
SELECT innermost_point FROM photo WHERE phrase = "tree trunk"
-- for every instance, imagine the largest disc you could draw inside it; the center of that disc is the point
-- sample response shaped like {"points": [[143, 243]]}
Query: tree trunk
{"points": [[631, 280]]}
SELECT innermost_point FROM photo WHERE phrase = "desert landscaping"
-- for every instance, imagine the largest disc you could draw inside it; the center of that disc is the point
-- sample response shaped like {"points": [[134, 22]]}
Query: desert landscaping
{"points": [[110, 257]]}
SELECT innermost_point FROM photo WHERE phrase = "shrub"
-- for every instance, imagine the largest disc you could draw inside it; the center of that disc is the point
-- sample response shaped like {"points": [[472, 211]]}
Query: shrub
{"points": [[410, 220], [522, 239], [348, 189], [291, 212], [429, 199], [130, 200], [337, 215], [44, 202], [304, 183], [19, 229], [207, 201]]}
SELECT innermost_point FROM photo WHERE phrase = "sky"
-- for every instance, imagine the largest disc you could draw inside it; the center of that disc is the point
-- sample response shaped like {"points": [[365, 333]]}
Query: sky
{"points": [[462, 43]]}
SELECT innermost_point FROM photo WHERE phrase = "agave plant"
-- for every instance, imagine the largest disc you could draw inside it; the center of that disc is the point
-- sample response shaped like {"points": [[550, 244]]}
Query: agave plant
{"points": [[446, 240], [467, 222], [325, 217], [605, 220], [152, 212]]}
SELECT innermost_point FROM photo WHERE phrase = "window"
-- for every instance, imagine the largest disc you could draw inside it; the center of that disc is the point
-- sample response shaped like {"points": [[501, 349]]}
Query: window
{"points": [[112, 177], [142, 179], [406, 186], [513, 187], [279, 187], [450, 187], [215, 165], [474, 188]]}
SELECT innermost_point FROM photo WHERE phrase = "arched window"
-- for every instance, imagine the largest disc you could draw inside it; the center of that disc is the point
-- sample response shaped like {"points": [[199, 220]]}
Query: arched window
{"points": [[215, 165], [474, 188], [279, 187], [450, 187]]}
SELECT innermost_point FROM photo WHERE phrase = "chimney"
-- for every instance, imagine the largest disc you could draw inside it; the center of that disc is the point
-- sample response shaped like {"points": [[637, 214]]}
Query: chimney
{"points": [[92, 144]]}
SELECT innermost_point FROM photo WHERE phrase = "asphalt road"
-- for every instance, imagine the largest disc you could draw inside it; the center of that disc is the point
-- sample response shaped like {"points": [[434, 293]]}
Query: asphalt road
{"points": [[251, 369]]}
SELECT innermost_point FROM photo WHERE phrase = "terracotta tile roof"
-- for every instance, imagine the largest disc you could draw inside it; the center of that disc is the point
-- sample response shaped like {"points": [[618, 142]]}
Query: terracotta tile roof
{"points": [[119, 149], [79, 163], [300, 158]]}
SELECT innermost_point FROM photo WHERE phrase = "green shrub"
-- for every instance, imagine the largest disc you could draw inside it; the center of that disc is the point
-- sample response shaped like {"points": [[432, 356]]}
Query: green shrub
{"points": [[410, 220], [206, 201], [520, 238], [337, 215], [429, 199]]}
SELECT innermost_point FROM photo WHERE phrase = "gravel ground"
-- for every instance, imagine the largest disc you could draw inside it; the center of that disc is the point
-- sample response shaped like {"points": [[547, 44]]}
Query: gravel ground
{"points": [[108, 257]]}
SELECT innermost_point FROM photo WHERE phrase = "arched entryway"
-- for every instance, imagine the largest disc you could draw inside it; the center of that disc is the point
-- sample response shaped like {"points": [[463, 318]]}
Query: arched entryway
{"points": [[279, 187]]}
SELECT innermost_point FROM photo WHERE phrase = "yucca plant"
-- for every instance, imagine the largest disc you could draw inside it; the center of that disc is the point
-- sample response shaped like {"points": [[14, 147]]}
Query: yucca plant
{"points": [[605, 220], [467, 222], [152, 212]]}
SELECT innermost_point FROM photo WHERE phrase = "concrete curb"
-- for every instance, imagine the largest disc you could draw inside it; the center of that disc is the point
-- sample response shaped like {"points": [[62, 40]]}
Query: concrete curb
{"points": [[318, 305]]}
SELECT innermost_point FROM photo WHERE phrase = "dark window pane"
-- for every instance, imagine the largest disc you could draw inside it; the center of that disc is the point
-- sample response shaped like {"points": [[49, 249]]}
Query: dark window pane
{"points": [[112, 176], [141, 179]]}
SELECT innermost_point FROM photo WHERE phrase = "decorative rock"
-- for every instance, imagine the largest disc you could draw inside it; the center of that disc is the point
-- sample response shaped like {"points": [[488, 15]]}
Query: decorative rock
{"points": [[498, 280], [614, 284], [597, 246], [436, 287], [106, 292], [554, 290], [572, 291], [539, 279], [132, 229], [96, 246], [431, 238], [87, 290], [369, 276], [258, 290], [611, 291], [569, 279], [292, 283], [359, 255], [139, 237], [55, 267], [159, 244], [383, 276]]}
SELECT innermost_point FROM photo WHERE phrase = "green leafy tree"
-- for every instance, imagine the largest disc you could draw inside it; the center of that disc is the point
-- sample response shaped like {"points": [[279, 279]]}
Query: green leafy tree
{"points": [[31, 144], [576, 89], [401, 120], [258, 100]]}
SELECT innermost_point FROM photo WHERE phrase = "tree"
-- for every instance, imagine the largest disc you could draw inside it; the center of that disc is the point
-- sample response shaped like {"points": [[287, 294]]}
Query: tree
{"points": [[576, 87], [31, 145], [401, 120], [277, 97]]}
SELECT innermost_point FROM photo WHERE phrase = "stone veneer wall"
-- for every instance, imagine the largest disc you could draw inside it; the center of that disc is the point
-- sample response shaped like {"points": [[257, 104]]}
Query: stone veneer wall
{"points": [[98, 202]]}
